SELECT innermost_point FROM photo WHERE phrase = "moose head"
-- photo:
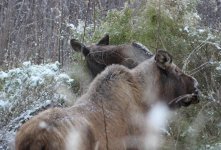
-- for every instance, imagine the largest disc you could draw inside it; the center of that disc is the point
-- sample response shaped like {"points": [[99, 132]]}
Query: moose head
{"points": [[100, 55]]}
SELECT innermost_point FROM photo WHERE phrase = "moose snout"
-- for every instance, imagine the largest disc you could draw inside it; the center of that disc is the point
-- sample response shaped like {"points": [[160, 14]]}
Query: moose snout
{"points": [[195, 98], [196, 83], [196, 92]]}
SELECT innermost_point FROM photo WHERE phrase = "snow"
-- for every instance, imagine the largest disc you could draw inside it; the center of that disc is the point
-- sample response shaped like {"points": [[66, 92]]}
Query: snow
{"points": [[48, 102], [3, 103], [3, 75], [219, 67], [216, 146], [35, 81], [64, 77], [72, 26], [217, 46], [191, 130], [27, 63], [201, 30], [27, 90], [79, 28], [186, 28], [31, 76]]}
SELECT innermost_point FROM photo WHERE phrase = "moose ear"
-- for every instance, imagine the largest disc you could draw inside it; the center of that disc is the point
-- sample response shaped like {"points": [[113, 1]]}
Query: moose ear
{"points": [[104, 40], [79, 47], [163, 59]]}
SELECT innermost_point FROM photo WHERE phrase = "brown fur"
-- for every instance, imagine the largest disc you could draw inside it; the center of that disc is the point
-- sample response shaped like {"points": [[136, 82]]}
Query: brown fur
{"points": [[104, 116], [102, 54]]}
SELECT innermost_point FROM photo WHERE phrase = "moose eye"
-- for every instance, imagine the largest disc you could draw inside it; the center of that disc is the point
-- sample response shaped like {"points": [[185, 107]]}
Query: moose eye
{"points": [[176, 71]]}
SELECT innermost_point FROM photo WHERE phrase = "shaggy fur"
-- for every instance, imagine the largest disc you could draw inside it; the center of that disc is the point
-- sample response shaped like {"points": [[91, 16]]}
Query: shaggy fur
{"points": [[104, 116]]}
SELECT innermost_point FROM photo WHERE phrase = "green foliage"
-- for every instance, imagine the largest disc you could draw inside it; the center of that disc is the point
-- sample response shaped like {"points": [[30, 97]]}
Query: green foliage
{"points": [[147, 24], [118, 24], [196, 127]]}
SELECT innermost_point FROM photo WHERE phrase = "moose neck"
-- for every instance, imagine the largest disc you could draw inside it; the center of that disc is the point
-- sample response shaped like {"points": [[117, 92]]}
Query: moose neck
{"points": [[147, 77]]}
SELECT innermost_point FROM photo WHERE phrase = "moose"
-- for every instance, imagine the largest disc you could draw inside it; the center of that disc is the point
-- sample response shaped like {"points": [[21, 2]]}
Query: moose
{"points": [[100, 55], [102, 118]]}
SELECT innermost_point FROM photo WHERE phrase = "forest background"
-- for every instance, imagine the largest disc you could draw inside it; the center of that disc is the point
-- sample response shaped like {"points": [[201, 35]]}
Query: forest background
{"points": [[35, 35]]}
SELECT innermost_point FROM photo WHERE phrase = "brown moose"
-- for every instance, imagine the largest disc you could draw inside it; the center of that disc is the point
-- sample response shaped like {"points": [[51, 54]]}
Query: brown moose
{"points": [[102, 54], [103, 116]]}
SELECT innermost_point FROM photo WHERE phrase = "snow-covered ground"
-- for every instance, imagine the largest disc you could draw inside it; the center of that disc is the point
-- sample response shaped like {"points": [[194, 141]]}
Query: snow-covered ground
{"points": [[27, 90]]}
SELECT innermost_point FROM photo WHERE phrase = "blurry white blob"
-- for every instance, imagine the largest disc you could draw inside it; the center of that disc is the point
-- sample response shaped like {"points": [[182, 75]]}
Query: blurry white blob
{"points": [[43, 125], [156, 122], [73, 140]]}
